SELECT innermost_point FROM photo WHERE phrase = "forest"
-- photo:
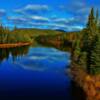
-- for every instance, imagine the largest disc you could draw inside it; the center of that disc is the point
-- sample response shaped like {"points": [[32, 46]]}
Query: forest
{"points": [[7, 36], [23, 35], [86, 48]]}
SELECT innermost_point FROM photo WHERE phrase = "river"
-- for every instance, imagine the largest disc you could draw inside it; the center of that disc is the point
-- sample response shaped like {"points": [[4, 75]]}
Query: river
{"points": [[36, 72]]}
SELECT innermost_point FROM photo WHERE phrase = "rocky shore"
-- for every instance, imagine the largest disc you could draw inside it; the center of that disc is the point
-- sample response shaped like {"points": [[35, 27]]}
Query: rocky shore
{"points": [[90, 84]]}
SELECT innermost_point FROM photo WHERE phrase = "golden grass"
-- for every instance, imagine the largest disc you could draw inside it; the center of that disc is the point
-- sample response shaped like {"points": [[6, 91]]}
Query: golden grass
{"points": [[11, 45]]}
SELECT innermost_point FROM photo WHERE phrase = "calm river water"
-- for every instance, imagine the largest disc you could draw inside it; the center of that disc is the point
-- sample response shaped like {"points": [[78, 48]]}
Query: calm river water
{"points": [[37, 72]]}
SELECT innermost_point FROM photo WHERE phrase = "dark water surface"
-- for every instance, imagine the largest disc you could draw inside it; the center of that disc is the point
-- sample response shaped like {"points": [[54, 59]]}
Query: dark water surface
{"points": [[38, 73]]}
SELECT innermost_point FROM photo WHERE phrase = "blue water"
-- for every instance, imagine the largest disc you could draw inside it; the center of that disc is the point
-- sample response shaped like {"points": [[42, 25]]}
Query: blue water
{"points": [[40, 74]]}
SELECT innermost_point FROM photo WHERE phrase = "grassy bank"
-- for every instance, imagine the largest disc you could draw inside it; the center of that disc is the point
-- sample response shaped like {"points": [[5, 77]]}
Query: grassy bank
{"points": [[8, 45], [89, 83]]}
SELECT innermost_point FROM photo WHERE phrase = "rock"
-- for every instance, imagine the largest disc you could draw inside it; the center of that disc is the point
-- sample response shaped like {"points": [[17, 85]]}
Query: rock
{"points": [[98, 97], [88, 78], [91, 91], [89, 83], [97, 84]]}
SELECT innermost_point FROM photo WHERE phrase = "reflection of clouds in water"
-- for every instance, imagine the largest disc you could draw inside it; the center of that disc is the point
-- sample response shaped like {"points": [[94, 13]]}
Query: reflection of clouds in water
{"points": [[31, 67], [50, 51], [42, 59], [39, 67], [37, 57], [52, 58]]}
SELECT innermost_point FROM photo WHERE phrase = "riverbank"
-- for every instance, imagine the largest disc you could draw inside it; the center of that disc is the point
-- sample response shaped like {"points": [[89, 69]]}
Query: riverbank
{"points": [[90, 84], [12, 45]]}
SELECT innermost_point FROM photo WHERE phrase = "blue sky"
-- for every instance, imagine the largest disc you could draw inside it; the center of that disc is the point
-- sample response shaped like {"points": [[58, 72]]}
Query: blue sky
{"points": [[69, 15]]}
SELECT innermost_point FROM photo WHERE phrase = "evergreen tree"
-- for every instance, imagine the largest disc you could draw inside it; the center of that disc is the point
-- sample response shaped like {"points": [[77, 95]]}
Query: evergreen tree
{"points": [[77, 50], [88, 38], [95, 56], [97, 17], [89, 32], [91, 25], [91, 20], [85, 40], [92, 31]]}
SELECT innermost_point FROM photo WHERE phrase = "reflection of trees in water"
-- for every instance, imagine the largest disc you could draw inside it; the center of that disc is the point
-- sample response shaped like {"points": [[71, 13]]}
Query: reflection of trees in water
{"points": [[15, 52]]}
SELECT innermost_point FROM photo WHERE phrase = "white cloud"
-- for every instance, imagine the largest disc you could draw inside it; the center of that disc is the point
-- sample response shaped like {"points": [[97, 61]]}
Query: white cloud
{"points": [[39, 18], [49, 24], [16, 18], [32, 7], [36, 7], [79, 7], [63, 20], [2, 12], [42, 16], [52, 24], [58, 26]]}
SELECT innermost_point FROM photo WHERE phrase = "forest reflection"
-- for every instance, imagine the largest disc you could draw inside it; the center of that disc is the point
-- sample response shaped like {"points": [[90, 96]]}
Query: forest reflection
{"points": [[14, 52]]}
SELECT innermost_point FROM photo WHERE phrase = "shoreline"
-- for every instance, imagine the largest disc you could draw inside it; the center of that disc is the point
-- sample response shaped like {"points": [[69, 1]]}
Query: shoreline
{"points": [[12, 45], [90, 84]]}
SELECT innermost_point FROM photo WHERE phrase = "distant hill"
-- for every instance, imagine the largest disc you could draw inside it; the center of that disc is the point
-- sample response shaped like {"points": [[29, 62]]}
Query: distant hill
{"points": [[60, 30], [37, 32], [47, 35]]}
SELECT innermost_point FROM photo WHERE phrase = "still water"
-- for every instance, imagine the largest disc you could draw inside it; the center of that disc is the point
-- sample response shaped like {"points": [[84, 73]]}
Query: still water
{"points": [[35, 72]]}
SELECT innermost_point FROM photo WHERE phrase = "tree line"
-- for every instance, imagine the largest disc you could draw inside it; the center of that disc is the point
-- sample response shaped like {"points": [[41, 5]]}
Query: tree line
{"points": [[86, 48], [14, 36]]}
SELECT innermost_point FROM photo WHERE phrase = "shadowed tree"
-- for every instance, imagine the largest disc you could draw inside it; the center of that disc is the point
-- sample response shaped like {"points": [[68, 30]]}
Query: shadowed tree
{"points": [[95, 56], [97, 17], [88, 38]]}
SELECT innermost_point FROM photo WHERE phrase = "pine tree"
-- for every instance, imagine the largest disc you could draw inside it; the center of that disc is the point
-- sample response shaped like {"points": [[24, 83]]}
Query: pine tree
{"points": [[95, 56], [85, 40], [97, 17], [77, 50], [91, 20], [88, 37], [91, 25], [92, 30], [89, 32]]}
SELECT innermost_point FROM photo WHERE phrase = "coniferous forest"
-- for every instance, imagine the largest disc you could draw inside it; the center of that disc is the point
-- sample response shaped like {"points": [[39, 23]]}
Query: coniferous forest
{"points": [[86, 49], [86, 57]]}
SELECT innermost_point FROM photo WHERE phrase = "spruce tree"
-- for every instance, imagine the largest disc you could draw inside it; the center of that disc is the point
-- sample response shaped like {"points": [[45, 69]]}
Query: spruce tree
{"points": [[77, 50], [91, 25], [88, 37], [95, 56], [97, 17], [89, 32], [92, 43], [91, 20]]}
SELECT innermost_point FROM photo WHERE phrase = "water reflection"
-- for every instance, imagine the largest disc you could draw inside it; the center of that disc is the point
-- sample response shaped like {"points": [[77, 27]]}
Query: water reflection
{"points": [[14, 52], [36, 72], [44, 59]]}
